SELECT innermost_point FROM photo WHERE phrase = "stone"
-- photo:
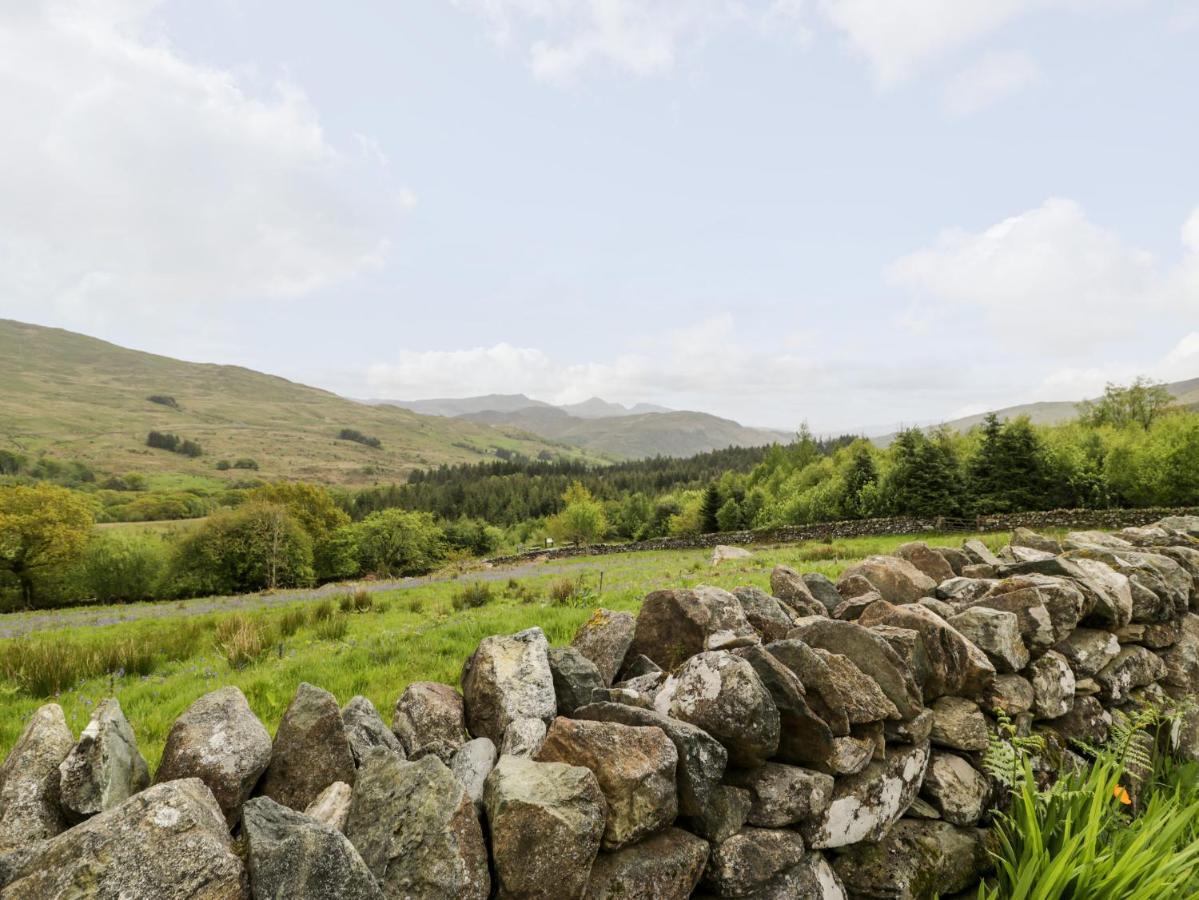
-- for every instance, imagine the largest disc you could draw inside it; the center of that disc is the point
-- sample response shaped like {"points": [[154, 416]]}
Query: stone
{"points": [[1182, 658], [790, 587], [864, 699], [666, 866], [646, 686], [365, 729], [918, 858], [1086, 721], [783, 795], [1025, 554], [909, 645], [766, 615], [169, 842], [980, 570], [727, 810], [996, 633], [822, 589], [1156, 636], [955, 665], [1024, 537], [721, 694], [1133, 667], [1036, 625], [958, 724], [635, 768], [850, 610], [430, 718], [292, 855], [750, 859], [546, 821], [940, 607], [1111, 593], [850, 586], [822, 689], [812, 878], [955, 788], [604, 639], [471, 765], [415, 827], [331, 806], [311, 750], [524, 737], [849, 755], [1094, 539], [219, 740], [961, 592], [956, 558], [864, 806], [1013, 694], [641, 665], [1052, 684], [927, 560], [576, 678], [1160, 587], [723, 552], [870, 653], [674, 625], [701, 758], [1088, 650], [913, 731], [804, 737], [105, 768], [508, 678], [1062, 600], [980, 553], [29, 779], [897, 580]]}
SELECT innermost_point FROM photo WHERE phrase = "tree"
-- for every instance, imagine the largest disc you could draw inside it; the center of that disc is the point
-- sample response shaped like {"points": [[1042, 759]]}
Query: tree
{"points": [[1009, 472], [319, 515], [924, 479], [1140, 403], [861, 474], [709, 507], [41, 527], [729, 517], [398, 542], [582, 519]]}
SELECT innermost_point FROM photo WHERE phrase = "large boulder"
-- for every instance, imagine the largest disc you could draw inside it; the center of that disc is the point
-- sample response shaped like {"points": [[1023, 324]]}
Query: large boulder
{"points": [[896, 579], [546, 822], [635, 768], [1133, 667], [726, 813], [996, 633], [918, 858], [679, 623], [1110, 592], [804, 737], [29, 779], [956, 789], [508, 678], [604, 639], [415, 827], [865, 701], [870, 652], [311, 750], [792, 588], [958, 724], [721, 694], [783, 795], [169, 842], [822, 588], [365, 730], [866, 805], [766, 615], [666, 866], [294, 856], [576, 678], [955, 665], [1088, 650], [105, 768], [1024, 537], [926, 559], [750, 859], [701, 758], [429, 718], [822, 687], [219, 740]]}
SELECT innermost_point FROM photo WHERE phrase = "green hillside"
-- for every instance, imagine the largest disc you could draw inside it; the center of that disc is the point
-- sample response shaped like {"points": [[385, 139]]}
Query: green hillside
{"points": [[79, 398]]}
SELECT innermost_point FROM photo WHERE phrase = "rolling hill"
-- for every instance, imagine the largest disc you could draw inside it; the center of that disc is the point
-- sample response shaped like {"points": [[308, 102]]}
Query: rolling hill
{"points": [[79, 398]]}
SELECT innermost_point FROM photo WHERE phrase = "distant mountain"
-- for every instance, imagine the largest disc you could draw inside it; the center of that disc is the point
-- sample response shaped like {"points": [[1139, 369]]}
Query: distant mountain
{"points": [[79, 398], [1054, 412], [460, 406], [635, 436]]}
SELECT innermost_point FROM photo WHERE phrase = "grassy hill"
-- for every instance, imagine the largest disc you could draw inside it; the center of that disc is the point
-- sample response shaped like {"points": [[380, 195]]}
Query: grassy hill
{"points": [[79, 398], [677, 433]]}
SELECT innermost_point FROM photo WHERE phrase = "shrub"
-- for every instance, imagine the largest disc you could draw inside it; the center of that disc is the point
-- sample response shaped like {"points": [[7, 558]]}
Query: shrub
{"points": [[122, 567], [190, 448], [362, 599], [333, 628], [246, 463], [292, 621], [164, 400], [564, 592], [222, 465], [241, 640], [561, 590], [162, 441], [44, 668], [322, 611], [398, 542], [472, 596], [353, 434]]}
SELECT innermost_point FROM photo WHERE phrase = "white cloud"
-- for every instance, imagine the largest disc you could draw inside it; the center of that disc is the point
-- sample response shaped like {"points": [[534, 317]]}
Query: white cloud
{"points": [[136, 182], [1050, 279], [991, 79]]}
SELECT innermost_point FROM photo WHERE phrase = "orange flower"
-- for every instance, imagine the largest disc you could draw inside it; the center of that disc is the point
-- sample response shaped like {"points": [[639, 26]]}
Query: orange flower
{"points": [[1122, 795]]}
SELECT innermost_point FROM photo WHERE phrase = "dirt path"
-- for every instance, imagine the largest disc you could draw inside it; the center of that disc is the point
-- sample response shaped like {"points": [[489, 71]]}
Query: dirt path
{"points": [[17, 624]]}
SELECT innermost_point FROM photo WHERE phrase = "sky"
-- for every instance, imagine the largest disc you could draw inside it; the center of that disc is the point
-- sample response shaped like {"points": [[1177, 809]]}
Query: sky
{"points": [[854, 213]]}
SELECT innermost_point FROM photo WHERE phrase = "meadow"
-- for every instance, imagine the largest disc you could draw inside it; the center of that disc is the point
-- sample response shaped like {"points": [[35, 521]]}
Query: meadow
{"points": [[374, 646]]}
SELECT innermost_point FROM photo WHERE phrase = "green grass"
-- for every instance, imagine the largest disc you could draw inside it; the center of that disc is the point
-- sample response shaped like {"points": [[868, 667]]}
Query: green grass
{"points": [[404, 636]]}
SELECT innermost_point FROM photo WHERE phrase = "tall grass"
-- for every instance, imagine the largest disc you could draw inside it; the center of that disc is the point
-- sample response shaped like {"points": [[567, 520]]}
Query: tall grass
{"points": [[242, 639]]}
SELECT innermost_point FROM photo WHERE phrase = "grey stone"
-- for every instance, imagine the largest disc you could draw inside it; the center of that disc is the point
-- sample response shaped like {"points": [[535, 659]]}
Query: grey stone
{"points": [[1053, 685], [1133, 667], [220, 741], [576, 678], [822, 589], [311, 750], [864, 699], [766, 615], [926, 559], [917, 859], [955, 788], [508, 678], [958, 724], [783, 795], [996, 633], [850, 610], [1088, 650], [29, 779], [105, 768], [961, 592], [792, 588], [956, 558], [674, 625], [471, 765], [604, 639], [723, 552], [912, 731], [1024, 537], [980, 553], [725, 814], [1086, 721], [804, 737], [1013, 694], [821, 687], [749, 859], [332, 806], [430, 718], [524, 737], [294, 856], [897, 580], [365, 730], [666, 866]]}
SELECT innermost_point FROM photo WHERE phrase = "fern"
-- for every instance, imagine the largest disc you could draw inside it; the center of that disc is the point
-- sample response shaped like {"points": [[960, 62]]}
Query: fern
{"points": [[1007, 751]]}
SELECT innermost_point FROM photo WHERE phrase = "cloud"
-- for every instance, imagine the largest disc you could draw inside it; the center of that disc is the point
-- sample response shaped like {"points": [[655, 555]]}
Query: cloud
{"points": [[988, 81], [1049, 279], [137, 183]]}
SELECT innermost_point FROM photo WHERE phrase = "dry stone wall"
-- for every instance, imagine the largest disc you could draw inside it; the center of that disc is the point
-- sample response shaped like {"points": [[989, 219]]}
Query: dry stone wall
{"points": [[818, 741]]}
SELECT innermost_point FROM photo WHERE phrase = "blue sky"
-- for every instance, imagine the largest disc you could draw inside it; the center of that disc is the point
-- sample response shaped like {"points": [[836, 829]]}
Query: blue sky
{"points": [[851, 212]]}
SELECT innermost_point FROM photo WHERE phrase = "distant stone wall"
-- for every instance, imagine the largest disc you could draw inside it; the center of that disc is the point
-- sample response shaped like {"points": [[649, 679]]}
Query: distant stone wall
{"points": [[1103, 519]]}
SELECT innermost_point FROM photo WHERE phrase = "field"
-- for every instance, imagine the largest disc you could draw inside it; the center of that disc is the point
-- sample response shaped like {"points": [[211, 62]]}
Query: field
{"points": [[407, 634]]}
